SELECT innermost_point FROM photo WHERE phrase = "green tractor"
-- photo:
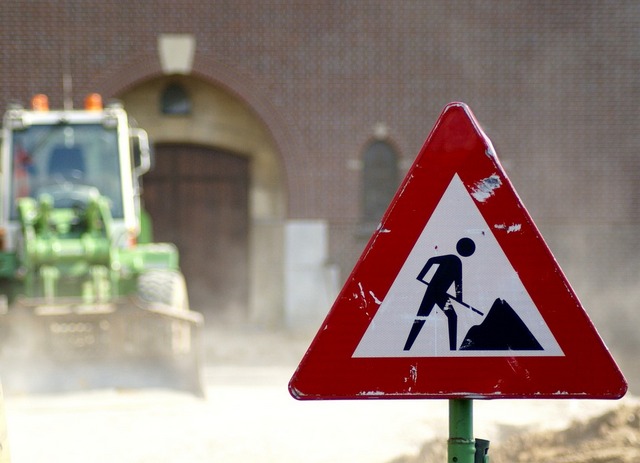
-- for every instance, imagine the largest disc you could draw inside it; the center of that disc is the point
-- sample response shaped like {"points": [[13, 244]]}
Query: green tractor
{"points": [[87, 300]]}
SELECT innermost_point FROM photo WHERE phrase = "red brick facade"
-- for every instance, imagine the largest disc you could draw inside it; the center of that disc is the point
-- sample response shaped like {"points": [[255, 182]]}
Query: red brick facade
{"points": [[554, 84], [549, 78]]}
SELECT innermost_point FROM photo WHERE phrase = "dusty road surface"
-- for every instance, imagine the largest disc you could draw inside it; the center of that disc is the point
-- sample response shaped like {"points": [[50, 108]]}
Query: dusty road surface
{"points": [[612, 437], [248, 416]]}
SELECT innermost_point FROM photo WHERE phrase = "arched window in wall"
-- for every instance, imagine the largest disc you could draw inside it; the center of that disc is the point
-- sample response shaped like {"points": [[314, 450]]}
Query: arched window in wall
{"points": [[175, 100], [380, 181]]}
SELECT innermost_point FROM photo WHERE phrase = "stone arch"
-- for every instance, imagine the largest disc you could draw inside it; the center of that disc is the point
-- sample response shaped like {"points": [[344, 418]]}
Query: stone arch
{"points": [[143, 67], [222, 119]]}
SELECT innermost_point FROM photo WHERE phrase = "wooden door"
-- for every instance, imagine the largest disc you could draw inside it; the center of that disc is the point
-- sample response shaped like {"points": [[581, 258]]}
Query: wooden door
{"points": [[198, 199]]}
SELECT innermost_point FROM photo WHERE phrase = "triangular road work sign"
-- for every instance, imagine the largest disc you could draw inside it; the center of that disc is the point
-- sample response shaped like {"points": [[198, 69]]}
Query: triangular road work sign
{"points": [[457, 295]]}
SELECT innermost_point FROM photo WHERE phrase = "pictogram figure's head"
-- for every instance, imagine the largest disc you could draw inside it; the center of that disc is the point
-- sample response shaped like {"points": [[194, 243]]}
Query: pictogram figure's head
{"points": [[465, 247]]}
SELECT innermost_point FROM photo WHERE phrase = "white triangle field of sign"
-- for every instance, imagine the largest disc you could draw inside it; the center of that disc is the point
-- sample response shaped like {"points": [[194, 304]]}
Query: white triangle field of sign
{"points": [[487, 275]]}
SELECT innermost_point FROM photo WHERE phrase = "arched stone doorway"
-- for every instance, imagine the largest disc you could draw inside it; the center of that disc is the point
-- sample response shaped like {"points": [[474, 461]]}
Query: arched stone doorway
{"points": [[202, 151]]}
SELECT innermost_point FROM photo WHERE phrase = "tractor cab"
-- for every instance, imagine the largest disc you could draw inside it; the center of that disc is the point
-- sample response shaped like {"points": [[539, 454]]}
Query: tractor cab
{"points": [[70, 157]]}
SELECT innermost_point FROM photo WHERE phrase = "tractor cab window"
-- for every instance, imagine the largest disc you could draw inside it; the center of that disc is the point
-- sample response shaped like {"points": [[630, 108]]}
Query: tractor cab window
{"points": [[64, 161]]}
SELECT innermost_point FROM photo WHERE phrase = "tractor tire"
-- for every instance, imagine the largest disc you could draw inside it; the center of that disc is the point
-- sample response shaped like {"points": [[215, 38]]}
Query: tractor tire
{"points": [[165, 287]]}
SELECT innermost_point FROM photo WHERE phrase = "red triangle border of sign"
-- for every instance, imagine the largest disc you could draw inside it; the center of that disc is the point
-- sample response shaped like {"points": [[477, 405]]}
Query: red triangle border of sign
{"points": [[456, 145]]}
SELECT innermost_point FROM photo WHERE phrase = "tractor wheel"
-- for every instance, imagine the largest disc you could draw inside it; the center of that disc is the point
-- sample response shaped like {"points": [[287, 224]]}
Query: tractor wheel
{"points": [[164, 286]]}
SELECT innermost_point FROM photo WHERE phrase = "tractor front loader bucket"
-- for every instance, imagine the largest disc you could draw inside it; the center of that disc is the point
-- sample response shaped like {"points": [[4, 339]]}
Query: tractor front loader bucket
{"points": [[69, 346]]}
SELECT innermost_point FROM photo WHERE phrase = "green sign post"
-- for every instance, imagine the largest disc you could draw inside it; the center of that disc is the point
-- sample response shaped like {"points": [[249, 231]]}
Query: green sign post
{"points": [[461, 447]]}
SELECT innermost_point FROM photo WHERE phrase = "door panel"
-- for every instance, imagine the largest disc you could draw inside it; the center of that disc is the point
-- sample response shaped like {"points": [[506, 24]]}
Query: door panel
{"points": [[198, 199]]}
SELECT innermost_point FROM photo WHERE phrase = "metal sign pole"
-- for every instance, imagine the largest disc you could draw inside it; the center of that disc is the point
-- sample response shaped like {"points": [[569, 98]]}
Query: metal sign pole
{"points": [[461, 447]]}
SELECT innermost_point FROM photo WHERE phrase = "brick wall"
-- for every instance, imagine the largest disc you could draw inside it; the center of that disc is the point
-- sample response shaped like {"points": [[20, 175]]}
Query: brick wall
{"points": [[554, 84]]}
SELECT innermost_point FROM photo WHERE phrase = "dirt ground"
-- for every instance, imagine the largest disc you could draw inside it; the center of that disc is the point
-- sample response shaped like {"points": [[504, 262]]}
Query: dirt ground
{"points": [[613, 437], [248, 415]]}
